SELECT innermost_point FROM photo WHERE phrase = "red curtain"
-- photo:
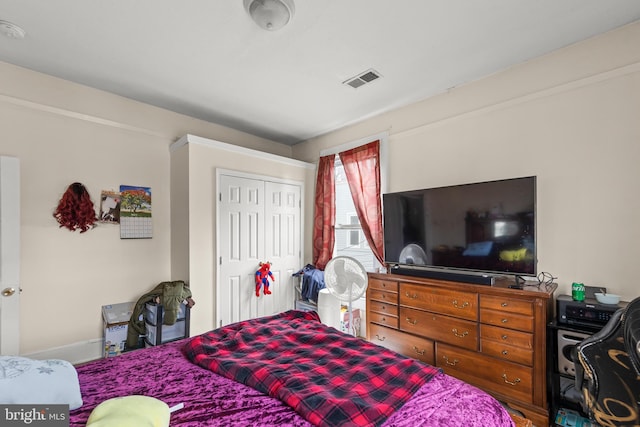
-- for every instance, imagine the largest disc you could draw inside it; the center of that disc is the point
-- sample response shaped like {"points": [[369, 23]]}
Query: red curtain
{"points": [[362, 169], [325, 212]]}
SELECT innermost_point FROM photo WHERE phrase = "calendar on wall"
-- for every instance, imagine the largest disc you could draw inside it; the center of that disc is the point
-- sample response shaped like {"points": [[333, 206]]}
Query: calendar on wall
{"points": [[135, 212]]}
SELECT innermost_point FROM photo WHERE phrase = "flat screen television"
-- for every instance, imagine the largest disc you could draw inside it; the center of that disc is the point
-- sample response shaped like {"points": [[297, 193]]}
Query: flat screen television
{"points": [[484, 227]]}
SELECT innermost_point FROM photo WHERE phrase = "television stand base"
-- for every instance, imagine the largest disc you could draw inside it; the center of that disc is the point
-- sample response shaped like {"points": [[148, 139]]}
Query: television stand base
{"points": [[445, 275]]}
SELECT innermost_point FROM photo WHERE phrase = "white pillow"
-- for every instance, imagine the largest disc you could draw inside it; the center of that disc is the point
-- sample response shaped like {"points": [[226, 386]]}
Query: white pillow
{"points": [[30, 381]]}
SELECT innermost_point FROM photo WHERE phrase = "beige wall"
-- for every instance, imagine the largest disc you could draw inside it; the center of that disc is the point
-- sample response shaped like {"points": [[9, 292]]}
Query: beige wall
{"points": [[62, 133], [571, 118]]}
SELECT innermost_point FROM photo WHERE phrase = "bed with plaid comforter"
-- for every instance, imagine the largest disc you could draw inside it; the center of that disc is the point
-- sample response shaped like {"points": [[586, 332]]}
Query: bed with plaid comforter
{"points": [[328, 377]]}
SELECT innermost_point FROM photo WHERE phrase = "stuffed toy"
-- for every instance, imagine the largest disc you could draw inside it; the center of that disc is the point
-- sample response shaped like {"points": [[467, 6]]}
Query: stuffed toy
{"points": [[262, 278]]}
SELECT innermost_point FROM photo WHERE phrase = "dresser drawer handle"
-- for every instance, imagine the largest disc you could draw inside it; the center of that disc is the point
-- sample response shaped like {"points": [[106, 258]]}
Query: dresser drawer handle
{"points": [[505, 352], [504, 304], [413, 296], [514, 382], [420, 352], [412, 322], [380, 338], [453, 363], [504, 337], [459, 335], [464, 304]]}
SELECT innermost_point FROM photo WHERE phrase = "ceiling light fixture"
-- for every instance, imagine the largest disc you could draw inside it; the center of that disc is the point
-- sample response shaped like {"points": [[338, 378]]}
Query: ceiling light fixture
{"points": [[11, 30], [270, 15]]}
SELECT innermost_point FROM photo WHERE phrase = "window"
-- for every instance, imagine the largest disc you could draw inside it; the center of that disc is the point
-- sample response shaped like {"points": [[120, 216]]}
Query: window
{"points": [[349, 237], [333, 229], [355, 236]]}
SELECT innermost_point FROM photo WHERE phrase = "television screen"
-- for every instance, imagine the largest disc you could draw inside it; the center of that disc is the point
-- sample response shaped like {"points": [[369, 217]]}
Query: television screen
{"points": [[483, 227]]}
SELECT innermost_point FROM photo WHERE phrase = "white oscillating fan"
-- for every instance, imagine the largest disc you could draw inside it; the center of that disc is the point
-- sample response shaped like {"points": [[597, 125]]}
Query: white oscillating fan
{"points": [[346, 279]]}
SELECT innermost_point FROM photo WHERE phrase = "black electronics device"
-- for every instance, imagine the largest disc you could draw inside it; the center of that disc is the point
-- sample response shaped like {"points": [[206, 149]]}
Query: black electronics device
{"points": [[483, 227], [478, 279], [589, 313]]}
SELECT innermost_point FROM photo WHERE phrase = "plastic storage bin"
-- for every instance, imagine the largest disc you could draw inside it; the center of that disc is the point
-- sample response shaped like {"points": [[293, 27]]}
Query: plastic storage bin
{"points": [[157, 333]]}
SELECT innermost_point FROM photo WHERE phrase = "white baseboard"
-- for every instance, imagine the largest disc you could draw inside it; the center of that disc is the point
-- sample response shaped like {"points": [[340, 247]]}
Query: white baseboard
{"points": [[75, 353]]}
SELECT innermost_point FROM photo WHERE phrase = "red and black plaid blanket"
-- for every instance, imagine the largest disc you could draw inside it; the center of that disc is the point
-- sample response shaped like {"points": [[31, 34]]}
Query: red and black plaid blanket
{"points": [[328, 377]]}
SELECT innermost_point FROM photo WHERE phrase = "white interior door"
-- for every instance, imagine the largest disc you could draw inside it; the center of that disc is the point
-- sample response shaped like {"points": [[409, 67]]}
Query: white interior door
{"points": [[240, 226], [9, 256], [258, 220], [282, 240]]}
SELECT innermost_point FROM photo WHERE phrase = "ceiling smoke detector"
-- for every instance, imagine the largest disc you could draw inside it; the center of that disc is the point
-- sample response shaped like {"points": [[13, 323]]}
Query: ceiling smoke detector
{"points": [[362, 78], [270, 15], [11, 30]]}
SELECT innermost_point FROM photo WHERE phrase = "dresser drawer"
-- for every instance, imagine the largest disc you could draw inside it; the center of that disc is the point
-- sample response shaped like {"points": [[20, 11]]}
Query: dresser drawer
{"points": [[507, 320], [437, 300], [382, 296], [383, 307], [509, 379], [507, 336], [437, 327], [383, 285], [383, 319], [506, 352], [509, 305], [409, 345]]}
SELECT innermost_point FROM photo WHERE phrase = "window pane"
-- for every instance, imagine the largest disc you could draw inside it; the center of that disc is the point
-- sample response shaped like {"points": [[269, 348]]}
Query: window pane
{"points": [[354, 238]]}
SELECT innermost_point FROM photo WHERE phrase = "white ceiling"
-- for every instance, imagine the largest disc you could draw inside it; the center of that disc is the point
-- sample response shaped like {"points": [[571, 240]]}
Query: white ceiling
{"points": [[207, 59]]}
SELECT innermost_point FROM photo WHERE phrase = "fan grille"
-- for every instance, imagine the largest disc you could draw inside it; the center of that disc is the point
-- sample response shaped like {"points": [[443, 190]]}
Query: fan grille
{"points": [[345, 278]]}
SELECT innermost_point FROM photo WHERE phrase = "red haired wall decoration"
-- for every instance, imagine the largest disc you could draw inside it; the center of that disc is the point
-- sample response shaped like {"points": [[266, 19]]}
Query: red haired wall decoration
{"points": [[75, 210]]}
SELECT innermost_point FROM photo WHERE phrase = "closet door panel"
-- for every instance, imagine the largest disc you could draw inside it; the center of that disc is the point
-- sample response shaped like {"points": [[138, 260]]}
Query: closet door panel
{"points": [[282, 240], [241, 244]]}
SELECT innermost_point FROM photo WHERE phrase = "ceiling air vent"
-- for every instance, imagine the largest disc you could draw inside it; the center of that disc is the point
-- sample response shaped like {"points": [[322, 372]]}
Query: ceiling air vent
{"points": [[362, 78]]}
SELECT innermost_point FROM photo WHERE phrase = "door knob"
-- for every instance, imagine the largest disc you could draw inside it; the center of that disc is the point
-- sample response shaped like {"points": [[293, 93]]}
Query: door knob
{"points": [[7, 292]]}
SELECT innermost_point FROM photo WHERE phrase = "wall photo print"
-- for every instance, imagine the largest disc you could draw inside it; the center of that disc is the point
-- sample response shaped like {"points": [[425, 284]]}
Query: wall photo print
{"points": [[135, 212], [110, 207]]}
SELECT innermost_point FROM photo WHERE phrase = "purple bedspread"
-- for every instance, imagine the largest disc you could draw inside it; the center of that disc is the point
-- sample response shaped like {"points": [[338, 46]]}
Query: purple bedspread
{"points": [[211, 400]]}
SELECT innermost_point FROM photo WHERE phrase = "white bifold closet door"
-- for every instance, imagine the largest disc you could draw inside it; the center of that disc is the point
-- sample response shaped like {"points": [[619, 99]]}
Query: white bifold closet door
{"points": [[257, 220]]}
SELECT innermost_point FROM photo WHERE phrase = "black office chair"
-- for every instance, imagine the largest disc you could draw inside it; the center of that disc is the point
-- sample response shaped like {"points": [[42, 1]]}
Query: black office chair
{"points": [[608, 370], [631, 328]]}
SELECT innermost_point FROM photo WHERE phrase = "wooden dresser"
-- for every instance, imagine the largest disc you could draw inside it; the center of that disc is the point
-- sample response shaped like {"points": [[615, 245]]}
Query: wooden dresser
{"points": [[493, 337]]}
